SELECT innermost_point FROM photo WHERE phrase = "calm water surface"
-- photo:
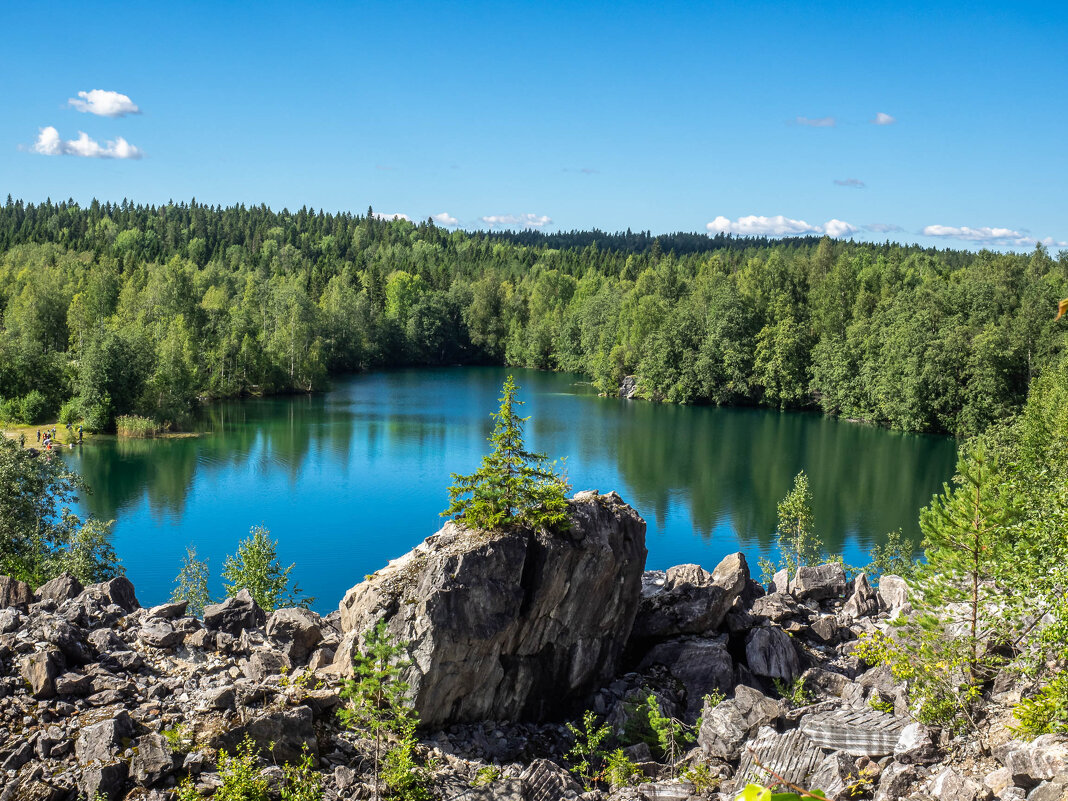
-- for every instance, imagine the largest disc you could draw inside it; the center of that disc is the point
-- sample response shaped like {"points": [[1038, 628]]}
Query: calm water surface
{"points": [[350, 479]]}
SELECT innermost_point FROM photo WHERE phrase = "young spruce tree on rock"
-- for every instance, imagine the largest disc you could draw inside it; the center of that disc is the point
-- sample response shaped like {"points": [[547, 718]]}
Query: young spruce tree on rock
{"points": [[514, 487]]}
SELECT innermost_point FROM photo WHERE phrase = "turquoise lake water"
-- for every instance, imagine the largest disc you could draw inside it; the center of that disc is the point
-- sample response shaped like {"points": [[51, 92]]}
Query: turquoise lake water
{"points": [[349, 479]]}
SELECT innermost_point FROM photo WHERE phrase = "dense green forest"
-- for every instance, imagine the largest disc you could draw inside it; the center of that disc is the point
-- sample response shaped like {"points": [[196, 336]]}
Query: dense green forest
{"points": [[114, 309]]}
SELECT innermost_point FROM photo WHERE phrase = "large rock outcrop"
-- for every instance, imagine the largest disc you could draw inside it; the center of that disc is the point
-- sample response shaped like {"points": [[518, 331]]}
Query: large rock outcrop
{"points": [[508, 625]]}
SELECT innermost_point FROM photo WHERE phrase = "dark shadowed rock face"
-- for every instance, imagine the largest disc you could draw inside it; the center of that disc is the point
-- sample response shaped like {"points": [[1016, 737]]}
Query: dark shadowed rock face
{"points": [[508, 625], [14, 592]]}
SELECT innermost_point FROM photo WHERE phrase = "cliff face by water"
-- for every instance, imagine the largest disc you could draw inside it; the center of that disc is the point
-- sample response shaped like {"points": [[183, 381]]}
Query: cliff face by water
{"points": [[509, 634]]}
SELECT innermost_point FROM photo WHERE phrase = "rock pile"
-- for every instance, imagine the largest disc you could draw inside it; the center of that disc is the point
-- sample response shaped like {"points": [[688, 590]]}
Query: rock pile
{"points": [[99, 695]]}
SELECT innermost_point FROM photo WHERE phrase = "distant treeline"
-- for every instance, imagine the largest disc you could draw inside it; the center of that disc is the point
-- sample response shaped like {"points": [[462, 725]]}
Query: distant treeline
{"points": [[113, 309]]}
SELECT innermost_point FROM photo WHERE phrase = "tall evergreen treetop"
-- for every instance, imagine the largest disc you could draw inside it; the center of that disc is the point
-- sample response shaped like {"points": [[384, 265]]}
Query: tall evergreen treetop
{"points": [[514, 487]]}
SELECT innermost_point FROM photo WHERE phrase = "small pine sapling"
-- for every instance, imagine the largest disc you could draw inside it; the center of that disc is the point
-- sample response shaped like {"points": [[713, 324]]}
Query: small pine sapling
{"points": [[586, 755], [513, 487]]}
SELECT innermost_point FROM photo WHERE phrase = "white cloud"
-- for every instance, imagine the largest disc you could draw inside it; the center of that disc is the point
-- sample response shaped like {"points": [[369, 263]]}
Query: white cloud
{"points": [[852, 183], [883, 119], [446, 219], [104, 103], [397, 216], [777, 226], [986, 235], [49, 143], [816, 122], [521, 221], [883, 228], [837, 228]]}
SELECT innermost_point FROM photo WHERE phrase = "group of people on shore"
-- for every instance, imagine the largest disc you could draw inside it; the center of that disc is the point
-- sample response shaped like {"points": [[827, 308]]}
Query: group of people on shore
{"points": [[50, 440]]}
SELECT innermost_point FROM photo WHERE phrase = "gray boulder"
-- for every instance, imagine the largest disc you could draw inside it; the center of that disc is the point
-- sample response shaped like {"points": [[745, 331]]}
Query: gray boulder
{"points": [[727, 726], [152, 759], [158, 633], [916, 746], [100, 742], [547, 780], [235, 614], [776, 607], [14, 593], [265, 662], [104, 781], [951, 786], [835, 777], [893, 593], [1044, 758], [771, 653], [864, 601], [62, 588], [68, 639], [691, 600], [40, 670], [895, 781], [117, 592], [508, 625], [296, 631], [819, 582], [169, 611]]}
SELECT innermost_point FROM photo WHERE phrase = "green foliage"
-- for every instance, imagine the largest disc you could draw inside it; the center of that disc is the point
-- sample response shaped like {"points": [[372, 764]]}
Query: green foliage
{"points": [[586, 754], [179, 738], [486, 775], [700, 776], [513, 487], [714, 699], [136, 426], [376, 701], [40, 536], [255, 567], [1047, 711], [191, 584], [187, 790], [70, 412], [798, 543], [881, 705], [301, 782], [240, 775], [951, 646], [895, 557], [794, 691], [35, 408], [143, 310], [757, 792], [673, 736], [619, 770]]}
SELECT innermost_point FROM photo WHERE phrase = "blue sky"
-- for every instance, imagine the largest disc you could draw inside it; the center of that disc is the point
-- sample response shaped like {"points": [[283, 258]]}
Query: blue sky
{"points": [[746, 117]]}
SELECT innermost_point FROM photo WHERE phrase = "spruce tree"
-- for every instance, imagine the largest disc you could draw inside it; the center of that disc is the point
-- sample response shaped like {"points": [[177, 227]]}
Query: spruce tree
{"points": [[967, 533], [377, 702], [514, 487]]}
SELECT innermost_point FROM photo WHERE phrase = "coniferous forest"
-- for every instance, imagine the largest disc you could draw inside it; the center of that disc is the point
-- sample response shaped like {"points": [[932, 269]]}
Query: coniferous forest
{"points": [[125, 309]]}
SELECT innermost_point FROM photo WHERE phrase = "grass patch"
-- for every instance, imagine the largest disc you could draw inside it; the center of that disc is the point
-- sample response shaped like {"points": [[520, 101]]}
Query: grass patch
{"points": [[136, 426]]}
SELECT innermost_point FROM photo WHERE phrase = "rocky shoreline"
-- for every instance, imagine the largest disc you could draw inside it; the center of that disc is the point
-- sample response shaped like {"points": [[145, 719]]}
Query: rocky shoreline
{"points": [[510, 635]]}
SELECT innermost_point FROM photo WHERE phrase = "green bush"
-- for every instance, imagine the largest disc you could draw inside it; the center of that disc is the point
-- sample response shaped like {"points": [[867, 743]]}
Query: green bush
{"points": [[241, 779], [70, 411], [96, 412], [256, 568], [1046, 712], [619, 771], [34, 407]]}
